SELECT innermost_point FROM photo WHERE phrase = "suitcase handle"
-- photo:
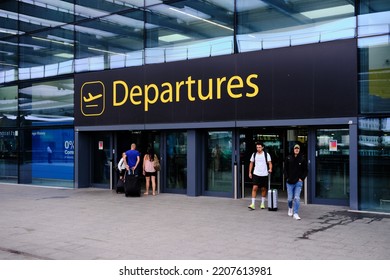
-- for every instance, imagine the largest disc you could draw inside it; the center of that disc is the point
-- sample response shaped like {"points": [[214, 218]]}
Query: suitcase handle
{"points": [[269, 181]]}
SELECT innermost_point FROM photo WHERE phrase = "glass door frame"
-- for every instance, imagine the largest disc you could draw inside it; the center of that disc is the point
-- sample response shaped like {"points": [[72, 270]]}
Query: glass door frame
{"points": [[107, 169], [233, 164], [353, 162]]}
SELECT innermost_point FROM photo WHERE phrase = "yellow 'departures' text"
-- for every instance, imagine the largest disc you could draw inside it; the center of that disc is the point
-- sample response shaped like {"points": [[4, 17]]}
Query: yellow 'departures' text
{"points": [[189, 89]]}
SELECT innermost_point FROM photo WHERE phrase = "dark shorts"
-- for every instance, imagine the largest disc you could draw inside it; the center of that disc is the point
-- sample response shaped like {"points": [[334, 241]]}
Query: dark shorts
{"points": [[260, 181], [149, 174]]}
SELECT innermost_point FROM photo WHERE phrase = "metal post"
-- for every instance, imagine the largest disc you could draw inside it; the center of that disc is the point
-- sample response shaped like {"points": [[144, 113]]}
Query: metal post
{"points": [[242, 181], [235, 180], [158, 182], [110, 164]]}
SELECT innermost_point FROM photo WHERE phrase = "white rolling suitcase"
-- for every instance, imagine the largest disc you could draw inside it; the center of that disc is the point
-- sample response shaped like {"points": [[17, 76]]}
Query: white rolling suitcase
{"points": [[272, 197]]}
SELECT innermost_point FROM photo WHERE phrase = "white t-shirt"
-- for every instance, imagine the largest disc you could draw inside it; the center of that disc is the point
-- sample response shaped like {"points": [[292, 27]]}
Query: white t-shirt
{"points": [[260, 165], [121, 165]]}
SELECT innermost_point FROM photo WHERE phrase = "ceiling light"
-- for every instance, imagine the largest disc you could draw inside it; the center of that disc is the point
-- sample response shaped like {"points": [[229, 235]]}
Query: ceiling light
{"points": [[53, 41], [328, 12], [173, 38], [202, 19], [64, 55]]}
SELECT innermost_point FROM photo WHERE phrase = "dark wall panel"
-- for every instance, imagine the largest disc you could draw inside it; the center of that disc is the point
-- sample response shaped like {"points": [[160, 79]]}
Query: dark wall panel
{"points": [[310, 81]]}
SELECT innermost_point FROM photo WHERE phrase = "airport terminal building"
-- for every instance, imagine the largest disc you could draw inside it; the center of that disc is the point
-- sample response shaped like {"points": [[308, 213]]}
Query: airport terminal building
{"points": [[201, 81]]}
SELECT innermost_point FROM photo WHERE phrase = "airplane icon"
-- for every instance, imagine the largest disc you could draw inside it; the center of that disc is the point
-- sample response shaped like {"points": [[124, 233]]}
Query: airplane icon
{"points": [[92, 97]]}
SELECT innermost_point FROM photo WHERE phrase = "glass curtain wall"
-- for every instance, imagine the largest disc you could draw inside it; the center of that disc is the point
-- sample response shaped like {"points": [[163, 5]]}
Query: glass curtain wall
{"points": [[374, 89], [47, 137], [67, 36], [275, 24], [187, 29], [8, 134], [374, 164]]}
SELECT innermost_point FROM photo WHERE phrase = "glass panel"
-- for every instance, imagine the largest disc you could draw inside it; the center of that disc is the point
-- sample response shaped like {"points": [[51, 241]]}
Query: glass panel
{"points": [[8, 106], [36, 15], [47, 157], [8, 59], [374, 164], [374, 75], [8, 156], [373, 6], [266, 24], [219, 161], [189, 29], [110, 42], [92, 8], [332, 164], [8, 19], [176, 161], [47, 102], [46, 54]]}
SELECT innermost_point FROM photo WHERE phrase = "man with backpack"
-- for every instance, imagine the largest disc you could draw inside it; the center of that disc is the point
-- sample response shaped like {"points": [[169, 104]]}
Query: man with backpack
{"points": [[261, 165]]}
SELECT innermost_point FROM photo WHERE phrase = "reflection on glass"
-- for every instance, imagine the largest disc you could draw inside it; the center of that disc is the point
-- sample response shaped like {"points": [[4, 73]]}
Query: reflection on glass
{"points": [[47, 157], [219, 163], [8, 106], [176, 161], [8, 156], [374, 164], [332, 164], [189, 29], [263, 25], [101, 157], [53, 48], [374, 76], [47, 102]]}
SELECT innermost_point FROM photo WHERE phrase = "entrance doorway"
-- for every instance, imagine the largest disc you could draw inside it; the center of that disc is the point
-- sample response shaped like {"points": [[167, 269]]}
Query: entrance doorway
{"points": [[101, 156], [107, 149], [175, 163], [278, 143]]}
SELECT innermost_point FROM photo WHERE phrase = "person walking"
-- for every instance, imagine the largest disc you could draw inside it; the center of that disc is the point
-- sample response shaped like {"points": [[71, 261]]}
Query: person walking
{"points": [[131, 159], [261, 165], [149, 171], [122, 167], [295, 172]]}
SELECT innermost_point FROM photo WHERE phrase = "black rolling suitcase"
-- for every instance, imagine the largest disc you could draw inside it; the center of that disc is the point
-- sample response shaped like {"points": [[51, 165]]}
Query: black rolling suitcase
{"points": [[132, 185], [120, 186], [272, 197]]}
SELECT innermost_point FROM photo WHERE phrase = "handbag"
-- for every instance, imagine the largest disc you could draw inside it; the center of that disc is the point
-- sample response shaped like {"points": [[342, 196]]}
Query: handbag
{"points": [[156, 163], [120, 183]]}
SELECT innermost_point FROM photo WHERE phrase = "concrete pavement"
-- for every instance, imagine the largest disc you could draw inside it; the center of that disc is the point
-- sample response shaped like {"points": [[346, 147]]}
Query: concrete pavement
{"points": [[94, 224]]}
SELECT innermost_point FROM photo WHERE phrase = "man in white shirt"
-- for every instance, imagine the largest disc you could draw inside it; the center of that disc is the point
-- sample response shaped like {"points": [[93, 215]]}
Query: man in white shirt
{"points": [[261, 165]]}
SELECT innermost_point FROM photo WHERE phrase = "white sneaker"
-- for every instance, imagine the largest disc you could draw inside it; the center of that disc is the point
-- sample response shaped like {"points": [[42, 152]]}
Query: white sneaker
{"points": [[296, 216], [290, 212]]}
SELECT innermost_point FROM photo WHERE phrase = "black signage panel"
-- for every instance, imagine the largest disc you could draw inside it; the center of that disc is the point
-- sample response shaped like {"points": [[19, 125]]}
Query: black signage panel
{"points": [[310, 81]]}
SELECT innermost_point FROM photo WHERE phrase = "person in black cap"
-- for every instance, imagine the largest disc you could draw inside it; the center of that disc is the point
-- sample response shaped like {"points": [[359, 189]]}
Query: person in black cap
{"points": [[295, 171]]}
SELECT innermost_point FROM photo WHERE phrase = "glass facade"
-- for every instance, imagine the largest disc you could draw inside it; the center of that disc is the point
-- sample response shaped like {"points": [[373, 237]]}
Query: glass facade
{"points": [[263, 25], [374, 159], [219, 167], [43, 44], [374, 89]]}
